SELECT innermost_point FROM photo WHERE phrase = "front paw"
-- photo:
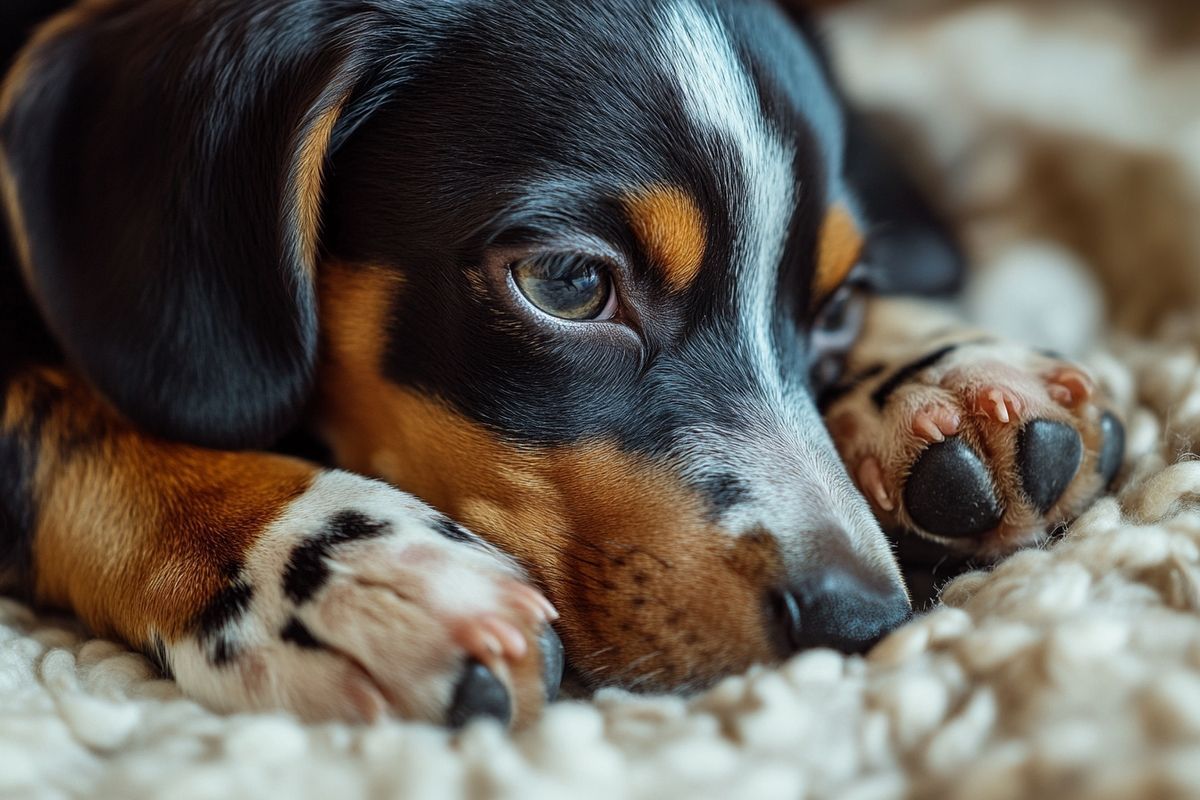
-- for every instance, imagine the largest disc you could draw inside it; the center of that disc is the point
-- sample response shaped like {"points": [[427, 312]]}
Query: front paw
{"points": [[981, 446], [360, 602]]}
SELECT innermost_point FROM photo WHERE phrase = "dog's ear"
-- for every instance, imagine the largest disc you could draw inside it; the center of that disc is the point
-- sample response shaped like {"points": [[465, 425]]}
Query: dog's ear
{"points": [[910, 247], [162, 164]]}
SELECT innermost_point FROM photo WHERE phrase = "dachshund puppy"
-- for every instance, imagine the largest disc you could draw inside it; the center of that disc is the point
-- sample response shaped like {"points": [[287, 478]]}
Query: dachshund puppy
{"points": [[577, 275]]}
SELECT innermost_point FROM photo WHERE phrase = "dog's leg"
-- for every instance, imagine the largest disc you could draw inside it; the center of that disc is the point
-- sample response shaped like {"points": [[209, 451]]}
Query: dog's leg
{"points": [[973, 442], [261, 581]]}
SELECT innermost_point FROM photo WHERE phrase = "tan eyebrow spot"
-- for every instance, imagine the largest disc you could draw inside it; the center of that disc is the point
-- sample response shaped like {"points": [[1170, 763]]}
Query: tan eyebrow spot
{"points": [[838, 250], [670, 227]]}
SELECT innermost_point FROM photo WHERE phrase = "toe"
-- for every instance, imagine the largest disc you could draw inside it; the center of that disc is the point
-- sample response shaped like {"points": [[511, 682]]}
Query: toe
{"points": [[479, 694], [870, 480], [950, 494], [1048, 456], [1070, 387], [998, 405], [935, 424]]}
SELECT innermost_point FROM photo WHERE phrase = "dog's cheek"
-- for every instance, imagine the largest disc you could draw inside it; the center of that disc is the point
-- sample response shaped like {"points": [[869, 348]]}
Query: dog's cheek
{"points": [[650, 590]]}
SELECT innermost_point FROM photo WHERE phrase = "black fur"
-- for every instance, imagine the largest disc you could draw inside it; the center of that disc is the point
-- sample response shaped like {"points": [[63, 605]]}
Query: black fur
{"points": [[157, 151], [453, 531], [905, 373], [186, 299], [297, 633], [307, 571], [215, 338], [224, 608]]}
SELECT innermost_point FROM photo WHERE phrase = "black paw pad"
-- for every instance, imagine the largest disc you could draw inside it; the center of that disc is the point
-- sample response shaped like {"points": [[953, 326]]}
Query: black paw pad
{"points": [[552, 662], [1112, 452], [479, 694], [949, 492], [1048, 456]]}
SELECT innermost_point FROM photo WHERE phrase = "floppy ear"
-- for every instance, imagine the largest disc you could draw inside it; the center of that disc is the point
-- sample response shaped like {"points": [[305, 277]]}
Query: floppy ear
{"points": [[163, 169], [910, 248]]}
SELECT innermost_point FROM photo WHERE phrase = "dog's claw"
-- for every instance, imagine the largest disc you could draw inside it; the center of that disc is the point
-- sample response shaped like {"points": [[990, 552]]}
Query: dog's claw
{"points": [[998, 405], [870, 480], [1069, 387], [934, 425], [488, 637]]}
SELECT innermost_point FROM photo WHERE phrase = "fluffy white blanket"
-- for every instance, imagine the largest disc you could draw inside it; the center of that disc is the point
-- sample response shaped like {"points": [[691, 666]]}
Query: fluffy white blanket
{"points": [[1066, 136]]}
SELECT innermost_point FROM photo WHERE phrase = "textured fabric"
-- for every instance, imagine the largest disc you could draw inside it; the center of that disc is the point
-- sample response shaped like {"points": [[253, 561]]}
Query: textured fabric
{"points": [[1068, 143]]}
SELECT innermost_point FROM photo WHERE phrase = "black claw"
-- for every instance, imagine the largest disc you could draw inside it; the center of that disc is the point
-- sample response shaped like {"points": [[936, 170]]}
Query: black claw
{"points": [[1112, 452], [552, 662], [949, 492], [479, 694], [1048, 456]]}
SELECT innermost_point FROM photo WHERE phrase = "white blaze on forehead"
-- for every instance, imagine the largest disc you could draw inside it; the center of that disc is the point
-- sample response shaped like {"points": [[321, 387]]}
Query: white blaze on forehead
{"points": [[721, 98], [800, 486]]}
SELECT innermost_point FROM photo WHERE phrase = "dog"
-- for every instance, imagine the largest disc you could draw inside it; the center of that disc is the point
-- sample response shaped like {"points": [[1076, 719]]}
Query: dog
{"points": [[359, 357]]}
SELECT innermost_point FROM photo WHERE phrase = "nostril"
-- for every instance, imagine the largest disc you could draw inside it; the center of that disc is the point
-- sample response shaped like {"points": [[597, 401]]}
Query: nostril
{"points": [[836, 610]]}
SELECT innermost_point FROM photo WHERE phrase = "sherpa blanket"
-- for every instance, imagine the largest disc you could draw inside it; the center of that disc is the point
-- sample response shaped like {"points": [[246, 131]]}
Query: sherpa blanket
{"points": [[1065, 137]]}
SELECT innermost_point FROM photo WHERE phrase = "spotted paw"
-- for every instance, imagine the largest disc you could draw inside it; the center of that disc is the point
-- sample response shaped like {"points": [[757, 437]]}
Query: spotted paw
{"points": [[980, 445], [360, 602]]}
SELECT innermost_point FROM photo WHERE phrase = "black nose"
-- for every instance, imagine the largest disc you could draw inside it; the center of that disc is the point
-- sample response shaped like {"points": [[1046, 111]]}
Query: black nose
{"points": [[835, 607]]}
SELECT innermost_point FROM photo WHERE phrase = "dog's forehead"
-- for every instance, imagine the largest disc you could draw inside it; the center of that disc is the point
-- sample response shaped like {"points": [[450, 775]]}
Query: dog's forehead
{"points": [[634, 91], [702, 131]]}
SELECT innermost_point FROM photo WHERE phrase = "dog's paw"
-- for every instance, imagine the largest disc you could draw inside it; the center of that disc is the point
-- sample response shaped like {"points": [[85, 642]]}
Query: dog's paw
{"points": [[982, 446], [361, 602]]}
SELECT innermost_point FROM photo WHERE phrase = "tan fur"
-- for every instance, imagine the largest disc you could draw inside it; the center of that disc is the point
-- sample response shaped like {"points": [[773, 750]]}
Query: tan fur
{"points": [[135, 533], [8, 202], [838, 250], [306, 184], [617, 542], [671, 228]]}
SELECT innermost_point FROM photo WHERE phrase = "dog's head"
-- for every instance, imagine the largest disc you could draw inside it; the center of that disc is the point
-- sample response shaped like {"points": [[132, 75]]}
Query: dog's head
{"points": [[565, 270]]}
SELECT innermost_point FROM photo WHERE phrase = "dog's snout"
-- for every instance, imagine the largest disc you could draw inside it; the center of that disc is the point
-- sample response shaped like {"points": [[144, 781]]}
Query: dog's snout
{"points": [[835, 606]]}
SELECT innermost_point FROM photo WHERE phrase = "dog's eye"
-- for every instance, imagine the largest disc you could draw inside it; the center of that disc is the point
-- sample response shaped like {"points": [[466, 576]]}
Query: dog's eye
{"points": [[835, 315], [833, 332], [568, 286]]}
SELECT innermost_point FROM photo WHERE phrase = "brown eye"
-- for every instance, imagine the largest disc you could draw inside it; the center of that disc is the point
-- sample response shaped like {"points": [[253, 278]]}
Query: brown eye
{"points": [[568, 286]]}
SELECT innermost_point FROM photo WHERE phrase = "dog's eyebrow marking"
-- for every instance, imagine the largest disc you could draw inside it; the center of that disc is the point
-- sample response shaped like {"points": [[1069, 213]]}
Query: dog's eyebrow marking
{"points": [[668, 223], [839, 248]]}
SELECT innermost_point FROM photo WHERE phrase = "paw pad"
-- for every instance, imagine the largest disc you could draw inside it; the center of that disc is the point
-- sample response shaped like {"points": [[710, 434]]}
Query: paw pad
{"points": [[950, 494], [1048, 456]]}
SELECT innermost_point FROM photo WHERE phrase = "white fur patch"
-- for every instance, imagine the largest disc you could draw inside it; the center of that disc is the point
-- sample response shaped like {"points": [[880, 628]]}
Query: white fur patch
{"points": [[721, 98], [387, 603], [788, 459]]}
